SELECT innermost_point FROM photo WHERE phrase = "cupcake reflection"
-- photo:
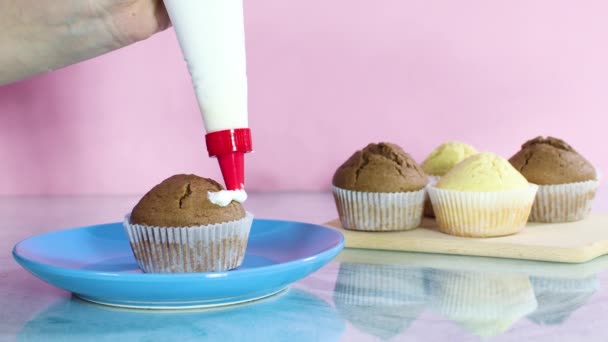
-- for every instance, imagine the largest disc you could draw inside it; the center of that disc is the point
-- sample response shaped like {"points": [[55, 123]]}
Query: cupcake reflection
{"points": [[381, 300], [558, 298], [486, 304], [267, 320]]}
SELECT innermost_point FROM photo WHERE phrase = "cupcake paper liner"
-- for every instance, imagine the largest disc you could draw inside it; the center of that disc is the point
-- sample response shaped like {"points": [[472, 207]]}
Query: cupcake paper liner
{"points": [[379, 211], [563, 202], [482, 214], [208, 248], [428, 206]]}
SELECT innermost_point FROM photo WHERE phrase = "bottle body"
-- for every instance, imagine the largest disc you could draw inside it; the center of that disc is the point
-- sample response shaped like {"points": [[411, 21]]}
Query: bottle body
{"points": [[211, 34]]}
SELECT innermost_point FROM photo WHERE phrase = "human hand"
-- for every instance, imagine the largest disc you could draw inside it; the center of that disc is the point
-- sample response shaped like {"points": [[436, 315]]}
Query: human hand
{"points": [[131, 20], [38, 36]]}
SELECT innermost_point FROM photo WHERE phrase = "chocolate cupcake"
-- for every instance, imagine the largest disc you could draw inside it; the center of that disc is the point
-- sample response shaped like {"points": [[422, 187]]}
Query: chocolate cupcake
{"points": [[567, 181], [380, 188], [175, 228]]}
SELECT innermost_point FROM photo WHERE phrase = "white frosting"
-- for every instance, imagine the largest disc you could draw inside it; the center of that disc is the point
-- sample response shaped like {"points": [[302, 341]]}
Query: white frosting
{"points": [[224, 197], [212, 37]]}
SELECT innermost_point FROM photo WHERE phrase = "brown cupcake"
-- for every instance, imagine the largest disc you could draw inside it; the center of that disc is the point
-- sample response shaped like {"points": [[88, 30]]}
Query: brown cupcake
{"points": [[550, 161], [382, 167], [567, 181], [380, 188], [175, 228], [182, 201]]}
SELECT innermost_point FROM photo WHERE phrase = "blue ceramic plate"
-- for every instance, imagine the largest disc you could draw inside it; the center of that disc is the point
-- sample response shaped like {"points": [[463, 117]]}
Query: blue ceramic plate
{"points": [[96, 264]]}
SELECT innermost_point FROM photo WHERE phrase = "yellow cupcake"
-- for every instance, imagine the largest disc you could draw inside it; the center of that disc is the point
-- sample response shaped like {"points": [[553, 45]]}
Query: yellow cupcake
{"points": [[484, 172], [440, 161], [446, 156], [482, 196]]}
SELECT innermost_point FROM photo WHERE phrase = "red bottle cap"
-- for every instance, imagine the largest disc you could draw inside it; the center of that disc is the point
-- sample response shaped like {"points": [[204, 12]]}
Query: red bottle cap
{"points": [[230, 146]]}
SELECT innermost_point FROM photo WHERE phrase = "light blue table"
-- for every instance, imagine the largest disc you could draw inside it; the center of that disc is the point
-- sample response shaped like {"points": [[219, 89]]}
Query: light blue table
{"points": [[362, 296]]}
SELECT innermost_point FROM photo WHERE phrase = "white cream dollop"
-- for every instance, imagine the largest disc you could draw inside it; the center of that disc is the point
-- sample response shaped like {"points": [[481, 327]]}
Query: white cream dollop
{"points": [[224, 197]]}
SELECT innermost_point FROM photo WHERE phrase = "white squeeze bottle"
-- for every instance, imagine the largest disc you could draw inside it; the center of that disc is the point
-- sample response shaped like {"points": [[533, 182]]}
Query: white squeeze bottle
{"points": [[211, 34]]}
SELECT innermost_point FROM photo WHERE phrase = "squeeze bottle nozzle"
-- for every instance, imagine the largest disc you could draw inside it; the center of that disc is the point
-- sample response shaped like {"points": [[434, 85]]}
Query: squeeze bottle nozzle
{"points": [[211, 34], [230, 146]]}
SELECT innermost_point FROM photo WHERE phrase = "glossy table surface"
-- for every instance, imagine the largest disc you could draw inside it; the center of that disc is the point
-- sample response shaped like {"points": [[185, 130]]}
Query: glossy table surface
{"points": [[361, 296]]}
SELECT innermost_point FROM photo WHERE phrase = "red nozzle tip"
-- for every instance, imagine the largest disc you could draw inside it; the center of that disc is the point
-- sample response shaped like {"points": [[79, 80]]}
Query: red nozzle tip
{"points": [[233, 170], [230, 146]]}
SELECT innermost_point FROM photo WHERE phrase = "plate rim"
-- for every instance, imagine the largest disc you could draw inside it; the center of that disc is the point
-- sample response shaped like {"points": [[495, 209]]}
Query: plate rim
{"points": [[115, 276]]}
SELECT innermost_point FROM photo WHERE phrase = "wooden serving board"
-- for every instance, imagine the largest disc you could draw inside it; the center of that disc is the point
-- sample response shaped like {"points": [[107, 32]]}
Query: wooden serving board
{"points": [[573, 242]]}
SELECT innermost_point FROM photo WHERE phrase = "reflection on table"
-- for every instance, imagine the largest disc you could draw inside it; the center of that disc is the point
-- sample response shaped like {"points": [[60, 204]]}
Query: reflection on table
{"points": [[485, 304], [558, 298], [382, 300], [383, 293], [287, 314]]}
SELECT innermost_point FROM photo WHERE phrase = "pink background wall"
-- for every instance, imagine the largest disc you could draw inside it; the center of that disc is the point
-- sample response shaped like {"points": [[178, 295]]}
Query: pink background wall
{"points": [[326, 77]]}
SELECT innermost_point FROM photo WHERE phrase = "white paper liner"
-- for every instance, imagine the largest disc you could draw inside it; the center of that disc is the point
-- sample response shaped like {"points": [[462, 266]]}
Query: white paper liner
{"points": [[482, 214], [209, 248], [379, 211], [428, 206], [563, 202]]}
